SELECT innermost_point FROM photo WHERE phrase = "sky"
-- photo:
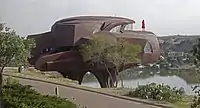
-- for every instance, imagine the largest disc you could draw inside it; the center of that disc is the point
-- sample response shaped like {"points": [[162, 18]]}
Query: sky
{"points": [[163, 17]]}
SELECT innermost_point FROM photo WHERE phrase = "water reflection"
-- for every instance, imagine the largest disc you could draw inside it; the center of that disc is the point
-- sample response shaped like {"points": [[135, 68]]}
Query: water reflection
{"points": [[133, 77]]}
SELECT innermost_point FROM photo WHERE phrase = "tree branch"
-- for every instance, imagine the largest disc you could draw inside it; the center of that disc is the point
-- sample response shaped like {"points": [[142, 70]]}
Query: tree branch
{"points": [[3, 66]]}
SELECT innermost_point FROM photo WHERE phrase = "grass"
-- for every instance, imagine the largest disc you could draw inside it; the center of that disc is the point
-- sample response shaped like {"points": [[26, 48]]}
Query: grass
{"points": [[32, 73], [16, 95], [181, 105], [185, 103]]}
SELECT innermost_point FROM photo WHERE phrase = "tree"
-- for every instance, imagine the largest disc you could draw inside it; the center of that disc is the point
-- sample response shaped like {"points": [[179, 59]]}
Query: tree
{"points": [[110, 53], [196, 53], [13, 48]]}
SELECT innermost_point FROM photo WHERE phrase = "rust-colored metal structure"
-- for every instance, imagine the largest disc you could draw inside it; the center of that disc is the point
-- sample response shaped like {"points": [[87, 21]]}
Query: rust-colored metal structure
{"points": [[56, 50]]}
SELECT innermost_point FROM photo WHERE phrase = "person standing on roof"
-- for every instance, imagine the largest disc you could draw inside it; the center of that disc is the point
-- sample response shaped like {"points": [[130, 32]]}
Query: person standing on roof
{"points": [[143, 25]]}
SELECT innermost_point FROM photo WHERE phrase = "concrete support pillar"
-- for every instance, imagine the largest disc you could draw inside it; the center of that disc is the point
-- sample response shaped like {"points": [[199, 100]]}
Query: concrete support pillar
{"points": [[104, 78], [101, 76]]}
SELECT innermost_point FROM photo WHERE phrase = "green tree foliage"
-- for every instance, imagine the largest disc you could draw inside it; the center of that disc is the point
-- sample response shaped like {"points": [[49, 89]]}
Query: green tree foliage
{"points": [[159, 92], [109, 52], [196, 53], [16, 95], [13, 48]]}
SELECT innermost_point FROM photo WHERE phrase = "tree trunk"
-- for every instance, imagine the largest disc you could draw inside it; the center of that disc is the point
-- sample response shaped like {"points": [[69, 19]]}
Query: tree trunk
{"points": [[116, 79], [1, 80], [19, 69], [122, 83], [116, 75], [1, 85], [113, 80], [1, 77], [110, 78]]}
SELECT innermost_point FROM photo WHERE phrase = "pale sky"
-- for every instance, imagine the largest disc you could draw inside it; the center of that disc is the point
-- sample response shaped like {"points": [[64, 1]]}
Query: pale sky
{"points": [[163, 17]]}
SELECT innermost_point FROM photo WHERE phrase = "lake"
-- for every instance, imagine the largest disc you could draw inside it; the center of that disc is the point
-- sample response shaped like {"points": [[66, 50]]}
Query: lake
{"points": [[131, 79]]}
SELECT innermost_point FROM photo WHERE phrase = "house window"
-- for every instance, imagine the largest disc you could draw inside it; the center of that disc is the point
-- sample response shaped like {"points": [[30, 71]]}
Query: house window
{"points": [[96, 29], [116, 29], [129, 27], [46, 50], [148, 48]]}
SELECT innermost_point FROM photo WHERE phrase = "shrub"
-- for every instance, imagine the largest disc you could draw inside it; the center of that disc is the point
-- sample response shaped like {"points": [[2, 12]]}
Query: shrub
{"points": [[159, 92], [196, 99], [16, 95]]}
